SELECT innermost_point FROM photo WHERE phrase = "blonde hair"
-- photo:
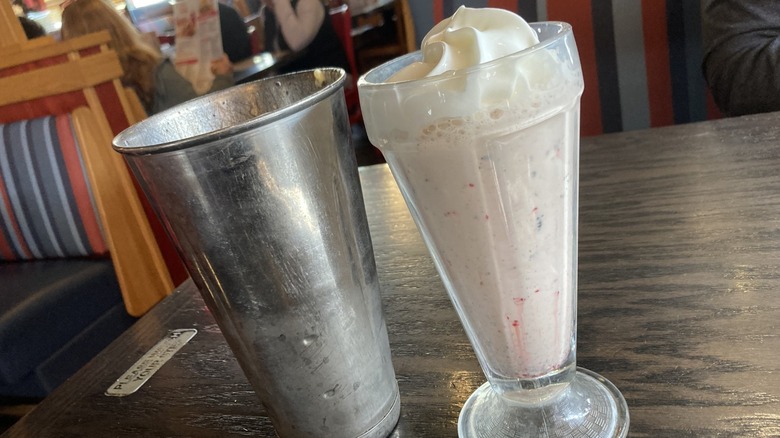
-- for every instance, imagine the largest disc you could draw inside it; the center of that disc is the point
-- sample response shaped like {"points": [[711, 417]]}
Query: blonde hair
{"points": [[138, 59]]}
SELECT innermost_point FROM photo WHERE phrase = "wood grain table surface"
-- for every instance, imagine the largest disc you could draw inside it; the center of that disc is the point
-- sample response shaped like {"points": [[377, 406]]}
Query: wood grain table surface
{"points": [[679, 303]]}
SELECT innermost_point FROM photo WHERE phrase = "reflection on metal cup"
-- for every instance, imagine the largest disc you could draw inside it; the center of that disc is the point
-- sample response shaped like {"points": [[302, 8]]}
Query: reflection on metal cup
{"points": [[258, 187]]}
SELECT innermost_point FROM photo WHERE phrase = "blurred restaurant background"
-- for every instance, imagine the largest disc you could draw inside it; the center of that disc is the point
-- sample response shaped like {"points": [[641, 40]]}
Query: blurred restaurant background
{"points": [[641, 59]]}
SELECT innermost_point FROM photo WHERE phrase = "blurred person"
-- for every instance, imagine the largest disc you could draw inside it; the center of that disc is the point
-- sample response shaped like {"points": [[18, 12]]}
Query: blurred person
{"points": [[235, 36], [303, 26], [742, 54], [19, 7], [32, 29], [25, 6], [153, 77]]}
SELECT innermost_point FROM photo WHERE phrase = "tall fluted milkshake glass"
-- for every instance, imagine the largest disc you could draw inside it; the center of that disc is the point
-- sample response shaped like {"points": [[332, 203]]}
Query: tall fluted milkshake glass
{"points": [[487, 159]]}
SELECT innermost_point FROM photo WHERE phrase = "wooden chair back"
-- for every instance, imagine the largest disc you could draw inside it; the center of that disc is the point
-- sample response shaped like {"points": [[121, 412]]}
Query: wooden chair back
{"points": [[51, 78]]}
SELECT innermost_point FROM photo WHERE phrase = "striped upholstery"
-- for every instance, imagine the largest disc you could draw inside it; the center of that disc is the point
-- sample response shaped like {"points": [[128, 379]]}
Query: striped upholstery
{"points": [[46, 205], [640, 58]]}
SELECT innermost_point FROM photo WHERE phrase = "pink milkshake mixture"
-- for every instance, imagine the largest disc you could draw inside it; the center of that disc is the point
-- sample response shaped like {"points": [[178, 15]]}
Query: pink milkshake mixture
{"points": [[491, 166]]}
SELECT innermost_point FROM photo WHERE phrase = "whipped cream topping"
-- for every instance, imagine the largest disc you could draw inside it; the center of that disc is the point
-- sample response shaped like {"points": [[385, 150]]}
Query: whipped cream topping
{"points": [[468, 38], [480, 71]]}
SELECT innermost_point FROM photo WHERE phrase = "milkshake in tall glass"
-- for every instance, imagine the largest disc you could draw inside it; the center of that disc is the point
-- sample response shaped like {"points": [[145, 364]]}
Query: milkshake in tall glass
{"points": [[481, 132]]}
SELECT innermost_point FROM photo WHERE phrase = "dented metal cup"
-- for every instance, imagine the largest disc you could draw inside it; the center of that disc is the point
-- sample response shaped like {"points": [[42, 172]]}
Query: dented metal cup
{"points": [[258, 187]]}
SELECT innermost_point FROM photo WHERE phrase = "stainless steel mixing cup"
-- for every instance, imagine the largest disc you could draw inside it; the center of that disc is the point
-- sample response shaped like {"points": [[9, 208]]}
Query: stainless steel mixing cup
{"points": [[258, 187]]}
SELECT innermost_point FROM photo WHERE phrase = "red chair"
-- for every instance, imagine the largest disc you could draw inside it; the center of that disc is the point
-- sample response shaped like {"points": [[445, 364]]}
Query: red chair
{"points": [[342, 23], [254, 26]]}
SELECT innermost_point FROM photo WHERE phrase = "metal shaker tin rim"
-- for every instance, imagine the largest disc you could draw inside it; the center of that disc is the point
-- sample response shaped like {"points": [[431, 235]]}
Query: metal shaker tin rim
{"points": [[122, 143]]}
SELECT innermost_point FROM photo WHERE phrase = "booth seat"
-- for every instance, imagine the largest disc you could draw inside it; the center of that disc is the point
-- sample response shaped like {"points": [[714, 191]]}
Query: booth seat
{"points": [[54, 316], [79, 259]]}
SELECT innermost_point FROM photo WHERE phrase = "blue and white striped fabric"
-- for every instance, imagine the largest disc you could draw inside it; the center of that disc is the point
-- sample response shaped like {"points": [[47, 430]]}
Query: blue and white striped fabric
{"points": [[46, 204]]}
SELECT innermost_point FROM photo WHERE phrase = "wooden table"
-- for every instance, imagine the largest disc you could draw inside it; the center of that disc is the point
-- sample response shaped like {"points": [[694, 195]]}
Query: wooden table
{"points": [[679, 305], [261, 65]]}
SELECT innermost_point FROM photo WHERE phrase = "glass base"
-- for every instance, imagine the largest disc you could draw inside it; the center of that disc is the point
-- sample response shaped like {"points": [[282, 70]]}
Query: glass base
{"points": [[590, 407]]}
